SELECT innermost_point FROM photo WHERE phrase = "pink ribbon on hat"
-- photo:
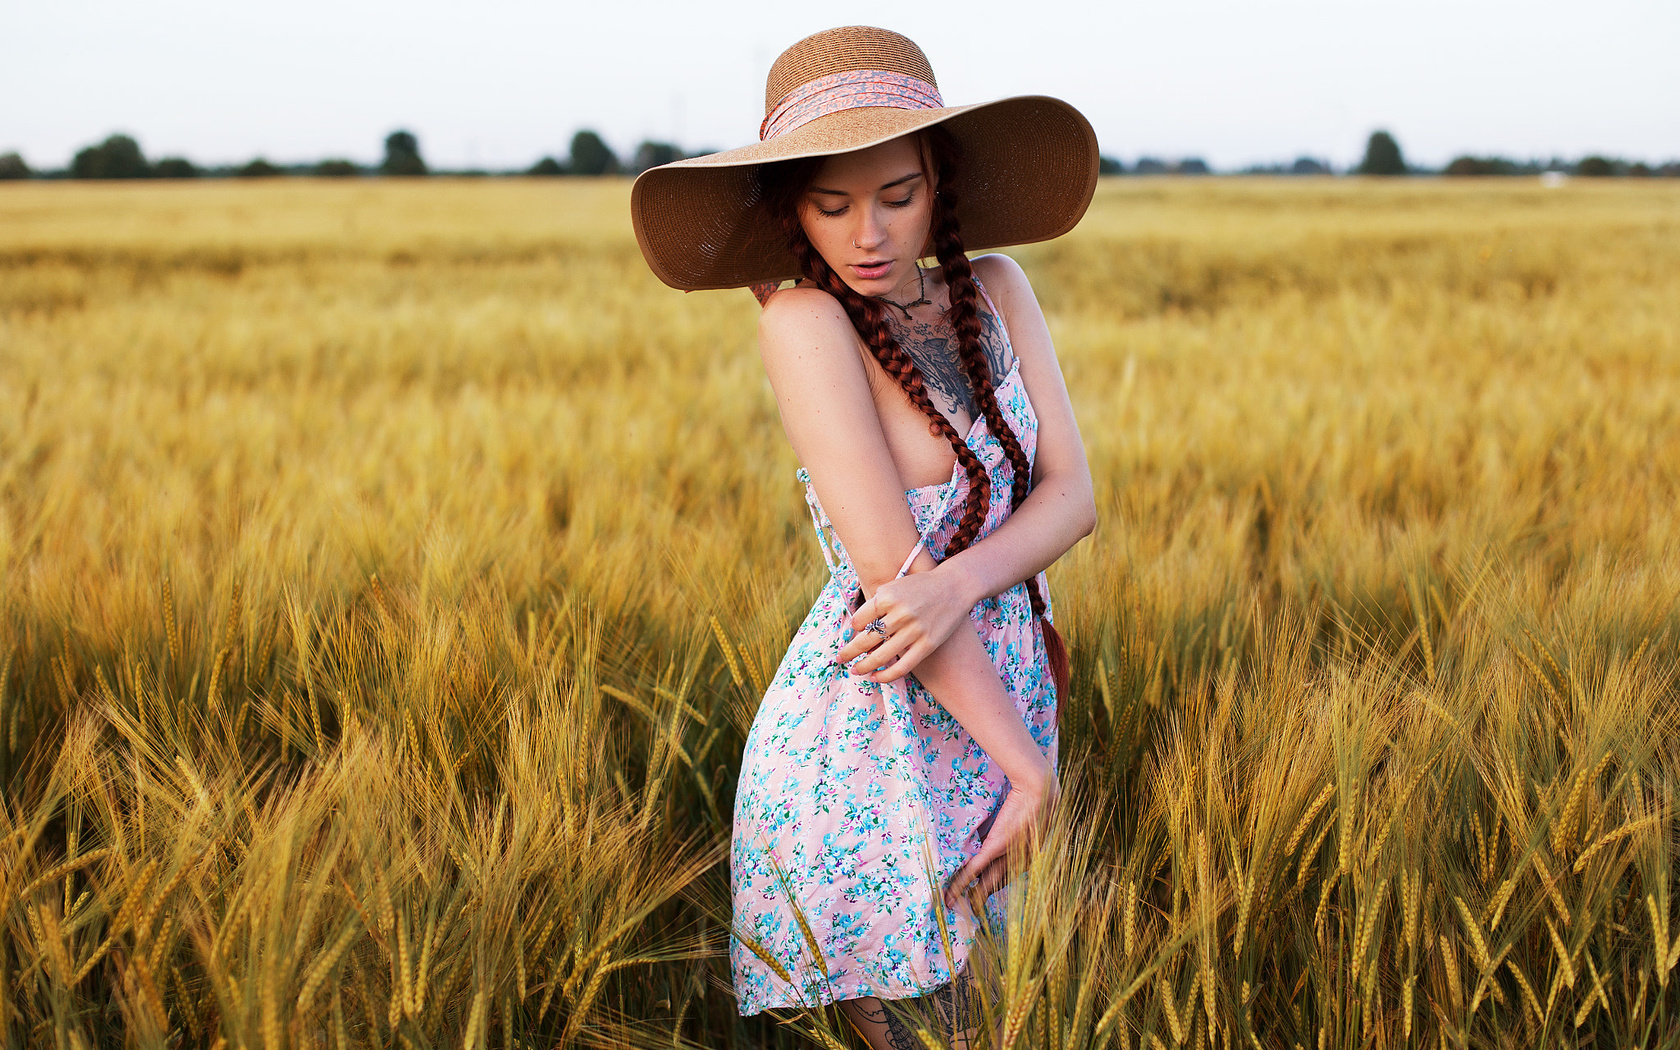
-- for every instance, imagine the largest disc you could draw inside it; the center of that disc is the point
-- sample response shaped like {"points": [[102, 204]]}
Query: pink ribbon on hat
{"points": [[852, 89]]}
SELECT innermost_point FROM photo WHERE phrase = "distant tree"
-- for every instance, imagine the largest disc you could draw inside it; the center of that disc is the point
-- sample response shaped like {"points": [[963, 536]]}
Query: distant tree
{"points": [[13, 167], [652, 155], [337, 168], [1670, 170], [591, 156], [1382, 156], [1595, 167], [1191, 166], [546, 166], [1149, 166], [257, 169], [1472, 166], [1641, 170], [118, 157], [176, 168], [1309, 166], [402, 155], [1110, 166]]}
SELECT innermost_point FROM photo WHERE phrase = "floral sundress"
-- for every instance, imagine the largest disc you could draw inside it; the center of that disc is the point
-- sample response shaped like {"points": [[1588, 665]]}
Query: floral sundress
{"points": [[858, 800]]}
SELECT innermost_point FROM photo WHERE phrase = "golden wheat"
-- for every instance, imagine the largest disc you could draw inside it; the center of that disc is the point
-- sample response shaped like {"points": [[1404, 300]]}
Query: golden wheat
{"points": [[389, 572]]}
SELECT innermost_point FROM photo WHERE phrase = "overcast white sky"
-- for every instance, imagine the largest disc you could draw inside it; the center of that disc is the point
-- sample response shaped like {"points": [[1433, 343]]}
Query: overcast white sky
{"points": [[499, 83]]}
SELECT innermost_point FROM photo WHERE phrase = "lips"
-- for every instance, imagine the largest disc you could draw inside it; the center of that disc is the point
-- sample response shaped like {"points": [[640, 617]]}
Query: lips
{"points": [[872, 270]]}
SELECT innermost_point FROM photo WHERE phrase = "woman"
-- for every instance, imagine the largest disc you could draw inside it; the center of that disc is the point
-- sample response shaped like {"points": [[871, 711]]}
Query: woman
{"points": [[944, 473]]}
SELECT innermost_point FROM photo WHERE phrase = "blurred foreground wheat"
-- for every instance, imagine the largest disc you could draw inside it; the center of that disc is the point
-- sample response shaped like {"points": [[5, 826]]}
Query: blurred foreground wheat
{"points": [[388, 573]]}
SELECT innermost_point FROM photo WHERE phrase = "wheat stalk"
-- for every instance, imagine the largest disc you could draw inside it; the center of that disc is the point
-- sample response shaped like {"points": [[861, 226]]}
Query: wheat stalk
{"points": [[1565, 823], [1129, 923], [1527, 990], [1610, 838], [1455, 982], [324, 966], [1319, 801], [1595, 994]]}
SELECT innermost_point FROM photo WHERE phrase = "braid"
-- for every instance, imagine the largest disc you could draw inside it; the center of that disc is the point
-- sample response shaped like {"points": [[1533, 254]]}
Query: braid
{"points": [[780, 187], [869, 318], [964, 316]]}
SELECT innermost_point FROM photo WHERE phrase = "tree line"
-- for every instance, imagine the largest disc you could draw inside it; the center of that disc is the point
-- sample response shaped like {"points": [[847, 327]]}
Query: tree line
{"points": [[120, 157], [1384, 157]]}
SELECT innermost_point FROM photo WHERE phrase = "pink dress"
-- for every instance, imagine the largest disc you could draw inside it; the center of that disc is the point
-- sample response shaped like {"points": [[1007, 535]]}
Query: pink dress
{"points": [[856, 800]]}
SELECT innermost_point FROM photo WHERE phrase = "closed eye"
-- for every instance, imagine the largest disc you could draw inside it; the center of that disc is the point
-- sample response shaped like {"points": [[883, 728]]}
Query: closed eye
{"points": [[837, 212]]}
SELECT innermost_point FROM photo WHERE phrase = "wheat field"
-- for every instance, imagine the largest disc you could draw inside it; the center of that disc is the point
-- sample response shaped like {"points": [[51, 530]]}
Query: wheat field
{"points": [[390, 571]]}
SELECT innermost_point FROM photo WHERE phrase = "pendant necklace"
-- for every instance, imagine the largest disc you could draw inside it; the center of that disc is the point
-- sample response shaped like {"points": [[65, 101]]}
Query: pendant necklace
{"points": [[921, 289]]}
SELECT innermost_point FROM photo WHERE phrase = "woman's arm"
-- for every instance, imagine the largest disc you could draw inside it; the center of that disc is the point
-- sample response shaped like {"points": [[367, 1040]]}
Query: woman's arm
{"points": [[922, 608], [812, 356], [1062, 509]]}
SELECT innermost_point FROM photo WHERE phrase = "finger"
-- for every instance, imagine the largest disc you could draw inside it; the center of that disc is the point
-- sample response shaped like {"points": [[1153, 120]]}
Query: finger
{"points": [[882, 654], [994, 878], [865, 612], [856, 645], [907, 662], [856, 635], [965, 876]]}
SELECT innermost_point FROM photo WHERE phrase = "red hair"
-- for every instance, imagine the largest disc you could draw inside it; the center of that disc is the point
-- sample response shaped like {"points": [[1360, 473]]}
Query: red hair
{"points": [[784, 186]]}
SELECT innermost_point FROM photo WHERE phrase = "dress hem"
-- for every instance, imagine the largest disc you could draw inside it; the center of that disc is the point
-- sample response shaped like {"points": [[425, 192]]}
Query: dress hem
{"points": [[831, 1000]]}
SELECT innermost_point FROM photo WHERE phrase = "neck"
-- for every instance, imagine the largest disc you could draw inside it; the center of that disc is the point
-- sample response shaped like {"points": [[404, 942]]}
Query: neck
{"points": [[910, 295]]}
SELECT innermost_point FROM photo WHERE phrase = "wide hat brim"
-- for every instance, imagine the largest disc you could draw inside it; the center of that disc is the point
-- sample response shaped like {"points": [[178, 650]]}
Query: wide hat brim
{"points": [[1029, 168]]}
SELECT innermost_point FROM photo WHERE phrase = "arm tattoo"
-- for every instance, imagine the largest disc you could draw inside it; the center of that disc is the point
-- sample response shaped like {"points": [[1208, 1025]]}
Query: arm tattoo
{"points": [[933, 346]]}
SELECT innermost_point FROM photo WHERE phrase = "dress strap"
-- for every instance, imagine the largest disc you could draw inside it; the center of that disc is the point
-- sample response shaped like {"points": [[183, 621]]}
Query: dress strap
{"points": [[822, 528], [921, 542], [991, 306], [817, 522]]}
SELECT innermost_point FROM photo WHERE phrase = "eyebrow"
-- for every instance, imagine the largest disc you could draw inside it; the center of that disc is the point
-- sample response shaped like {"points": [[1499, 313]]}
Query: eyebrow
{"points": [[901, 180]]}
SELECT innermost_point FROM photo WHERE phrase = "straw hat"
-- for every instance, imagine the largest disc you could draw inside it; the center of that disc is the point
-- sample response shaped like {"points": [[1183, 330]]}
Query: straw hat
{"points": [[1028, 171]]}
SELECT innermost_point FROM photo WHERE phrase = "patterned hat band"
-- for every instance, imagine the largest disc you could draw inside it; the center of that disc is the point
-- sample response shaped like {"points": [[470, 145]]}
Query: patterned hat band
{"points": [[852, 89]]}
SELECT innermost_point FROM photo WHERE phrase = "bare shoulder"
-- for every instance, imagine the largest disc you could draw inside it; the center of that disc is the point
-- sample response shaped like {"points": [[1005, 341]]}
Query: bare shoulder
{"points": [[1003, 278], [794, 312], [1009, 288], [1013, 296], [1000, 273], [807, 329]]}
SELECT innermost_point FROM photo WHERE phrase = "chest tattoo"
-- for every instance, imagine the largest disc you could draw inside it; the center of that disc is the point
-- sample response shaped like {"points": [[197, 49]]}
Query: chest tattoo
{"points": [[933, 346]]}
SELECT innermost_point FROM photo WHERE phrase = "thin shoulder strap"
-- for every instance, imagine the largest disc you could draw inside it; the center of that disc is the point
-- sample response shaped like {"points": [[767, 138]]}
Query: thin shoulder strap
{"points": [[921, 541], [822, 534], [991, 305]]}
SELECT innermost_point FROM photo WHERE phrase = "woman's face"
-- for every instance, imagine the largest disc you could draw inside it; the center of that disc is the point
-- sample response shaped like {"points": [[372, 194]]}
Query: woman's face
{"points": [[868, 214]]}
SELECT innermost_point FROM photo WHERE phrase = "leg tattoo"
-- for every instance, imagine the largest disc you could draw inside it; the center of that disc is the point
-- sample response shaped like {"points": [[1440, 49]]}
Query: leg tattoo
{"points": [[884, 1029], [949, 1008]]}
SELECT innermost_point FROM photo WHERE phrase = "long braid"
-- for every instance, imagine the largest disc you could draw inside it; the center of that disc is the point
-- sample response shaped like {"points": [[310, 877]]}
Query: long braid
{"points": [[781, 191], [868, 316], [964, 317]]}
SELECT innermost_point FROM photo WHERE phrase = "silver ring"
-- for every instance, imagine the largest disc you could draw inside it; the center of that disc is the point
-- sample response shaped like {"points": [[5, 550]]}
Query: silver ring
{"points": [[878, 625]]}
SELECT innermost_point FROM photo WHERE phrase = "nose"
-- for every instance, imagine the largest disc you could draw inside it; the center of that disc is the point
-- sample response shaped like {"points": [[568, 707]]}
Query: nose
{"points": [[871, 229]]}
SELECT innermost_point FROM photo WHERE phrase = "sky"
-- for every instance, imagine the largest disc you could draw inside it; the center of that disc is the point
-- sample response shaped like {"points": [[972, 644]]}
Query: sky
{"points": [[500, 83]]}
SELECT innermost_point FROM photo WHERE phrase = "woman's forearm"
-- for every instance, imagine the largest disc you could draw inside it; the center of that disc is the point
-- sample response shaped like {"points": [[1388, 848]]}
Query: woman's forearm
{"points": [[963, 679], [925, 609], [1053, 518]]}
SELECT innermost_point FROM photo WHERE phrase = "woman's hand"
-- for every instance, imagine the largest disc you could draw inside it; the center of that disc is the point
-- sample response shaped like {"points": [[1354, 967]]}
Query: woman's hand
{"points": [[1020, 819], [918, 611]]}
